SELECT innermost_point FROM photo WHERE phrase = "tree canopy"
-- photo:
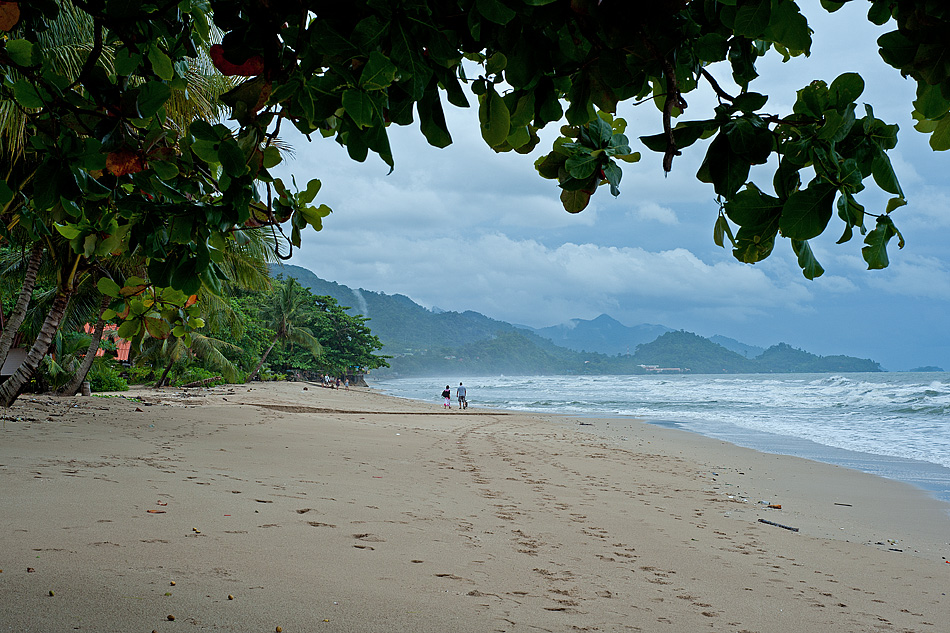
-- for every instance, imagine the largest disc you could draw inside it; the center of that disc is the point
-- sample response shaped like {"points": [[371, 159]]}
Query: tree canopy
{"points": [[113, 173]]}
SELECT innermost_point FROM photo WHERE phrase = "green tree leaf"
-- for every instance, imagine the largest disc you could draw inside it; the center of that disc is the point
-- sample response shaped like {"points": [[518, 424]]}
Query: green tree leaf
{"points": [[582, 166], [359, 105], [108, 287], [129, 329], [495, 11], [940, 139], [875, 251], [26, 94], [152, 96], [313, 188], [157, 328], [884, 175], [788, 27], [126, 62], [722, 230], [930, 102], [272, 157], [20, 52], [432, 118], [161, 63], [493, 117], [613, 174], [806, 260], [549, 165], [69, 231], [378, 73], [752, 18], [806, 212], [750, 207], [723, 168], [6, 194], [845, 89], [232, 158], [575, 201]]}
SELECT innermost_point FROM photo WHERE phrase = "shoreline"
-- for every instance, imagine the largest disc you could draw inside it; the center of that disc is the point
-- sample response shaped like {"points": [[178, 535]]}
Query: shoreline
{"points": [[930, 477], [356, 511]]}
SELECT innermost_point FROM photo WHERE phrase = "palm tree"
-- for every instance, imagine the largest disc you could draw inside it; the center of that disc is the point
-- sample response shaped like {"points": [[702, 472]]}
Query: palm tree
{"points": [[62, 362], [173, 350], [74, 384], [283, 316], [15, 320]]}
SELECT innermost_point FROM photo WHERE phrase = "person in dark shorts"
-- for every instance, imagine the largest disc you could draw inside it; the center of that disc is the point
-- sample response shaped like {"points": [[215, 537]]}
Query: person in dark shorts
{"points": [[460, 391]]}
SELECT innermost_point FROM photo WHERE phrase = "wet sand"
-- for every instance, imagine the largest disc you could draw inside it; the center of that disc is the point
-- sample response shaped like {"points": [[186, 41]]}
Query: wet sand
{"points": [[332, 510]]}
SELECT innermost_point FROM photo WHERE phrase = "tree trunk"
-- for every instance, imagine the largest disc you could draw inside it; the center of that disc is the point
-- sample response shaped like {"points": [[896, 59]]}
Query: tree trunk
{"points": [[168, 368], [10, 388], [260, 364], [23, 302], [73, 386]]}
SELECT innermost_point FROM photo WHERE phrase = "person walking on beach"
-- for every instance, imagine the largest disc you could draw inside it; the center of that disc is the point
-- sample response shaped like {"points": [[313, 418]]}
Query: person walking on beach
{"points": [[447, 398], [463, 403]]}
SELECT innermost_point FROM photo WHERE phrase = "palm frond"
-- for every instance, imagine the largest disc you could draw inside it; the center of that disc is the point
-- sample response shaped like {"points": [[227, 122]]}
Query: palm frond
{"points": [[210, 351], [303, 336]]}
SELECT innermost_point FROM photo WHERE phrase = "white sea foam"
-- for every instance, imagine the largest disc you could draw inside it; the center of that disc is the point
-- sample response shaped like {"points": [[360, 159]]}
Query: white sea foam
{"points": [[890, 414]]}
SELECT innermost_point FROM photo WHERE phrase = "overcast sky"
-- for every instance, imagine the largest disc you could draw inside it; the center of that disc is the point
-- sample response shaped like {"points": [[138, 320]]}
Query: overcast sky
{"points": [[464, 228]]}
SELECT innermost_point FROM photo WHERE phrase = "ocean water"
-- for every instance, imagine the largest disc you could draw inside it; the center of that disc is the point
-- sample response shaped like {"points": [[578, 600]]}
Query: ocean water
{"points": [[894, 425]]}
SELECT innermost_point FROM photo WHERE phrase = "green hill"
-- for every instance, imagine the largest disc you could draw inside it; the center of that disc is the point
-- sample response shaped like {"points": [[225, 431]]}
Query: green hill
{"points": [[694, 353], [784, 358], [422, 341], [402, 324]]}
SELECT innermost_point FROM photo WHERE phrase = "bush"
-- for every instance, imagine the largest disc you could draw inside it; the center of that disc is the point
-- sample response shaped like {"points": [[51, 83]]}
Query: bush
{"points": [[266, 375], [140, 375], [104, 376], [194, 374]]}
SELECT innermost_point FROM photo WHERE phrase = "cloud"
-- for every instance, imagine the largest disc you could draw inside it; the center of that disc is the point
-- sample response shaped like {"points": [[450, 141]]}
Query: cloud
{"points": [[528, 282], [651, 211], [915, 276], [928, 208]]}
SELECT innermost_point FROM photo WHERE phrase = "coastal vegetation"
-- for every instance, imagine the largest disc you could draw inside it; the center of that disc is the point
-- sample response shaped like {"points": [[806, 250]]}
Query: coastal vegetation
{"points": [[120, 177]]}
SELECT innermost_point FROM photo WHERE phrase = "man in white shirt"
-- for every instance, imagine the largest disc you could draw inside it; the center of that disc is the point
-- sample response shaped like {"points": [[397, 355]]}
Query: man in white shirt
{"points": [[460, 391]]}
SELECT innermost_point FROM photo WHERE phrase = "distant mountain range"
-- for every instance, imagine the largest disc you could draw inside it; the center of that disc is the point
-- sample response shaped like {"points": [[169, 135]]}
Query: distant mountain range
{"points": [[603, 334], [422, 341]]}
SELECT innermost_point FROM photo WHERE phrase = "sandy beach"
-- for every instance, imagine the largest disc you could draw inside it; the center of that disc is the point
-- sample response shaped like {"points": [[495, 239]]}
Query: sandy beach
{"points": [[289, 505]]}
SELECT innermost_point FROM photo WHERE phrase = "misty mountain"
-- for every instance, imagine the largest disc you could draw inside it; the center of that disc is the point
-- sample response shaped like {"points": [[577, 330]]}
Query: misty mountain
{"points": [[603, 334], [422, 341], [748, 351], [403, 325]]}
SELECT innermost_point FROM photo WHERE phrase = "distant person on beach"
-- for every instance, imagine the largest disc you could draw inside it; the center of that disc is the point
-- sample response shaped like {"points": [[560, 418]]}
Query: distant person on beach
{"points": [[463, 403], [447, 398]]}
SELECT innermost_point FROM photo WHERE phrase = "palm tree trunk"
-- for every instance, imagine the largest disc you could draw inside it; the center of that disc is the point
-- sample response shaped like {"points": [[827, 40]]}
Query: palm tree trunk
{"points": [[23, 302], [260, 364], [10, 388], [73, 386], [168, 368]]}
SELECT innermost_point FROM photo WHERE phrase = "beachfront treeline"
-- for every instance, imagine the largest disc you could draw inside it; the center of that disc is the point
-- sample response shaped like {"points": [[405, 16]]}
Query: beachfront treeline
{"points": [[264, 336], [257, 327]]}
